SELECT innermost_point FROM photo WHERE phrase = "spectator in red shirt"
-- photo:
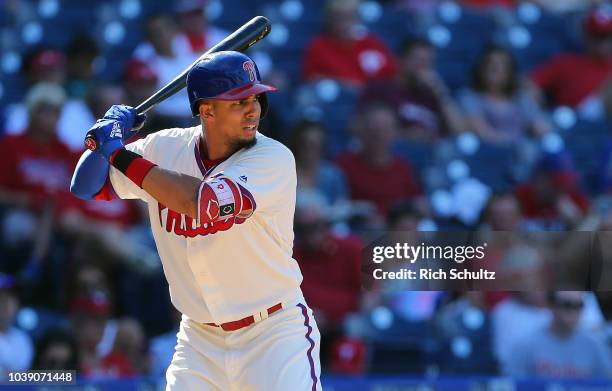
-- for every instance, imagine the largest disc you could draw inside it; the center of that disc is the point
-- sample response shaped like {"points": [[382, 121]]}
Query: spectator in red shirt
{"points": [[570, 79], [344, 54], [37, 172], [422, 101], [37, 166], [331, 267], [373, 172], [552, 198]]}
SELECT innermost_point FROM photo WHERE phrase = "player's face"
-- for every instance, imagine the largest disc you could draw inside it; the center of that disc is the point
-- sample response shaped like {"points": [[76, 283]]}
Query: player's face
{"points": [[237, 120]]}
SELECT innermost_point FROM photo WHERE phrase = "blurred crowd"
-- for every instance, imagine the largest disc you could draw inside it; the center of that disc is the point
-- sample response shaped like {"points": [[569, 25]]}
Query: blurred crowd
{"points": [[385, 139]]}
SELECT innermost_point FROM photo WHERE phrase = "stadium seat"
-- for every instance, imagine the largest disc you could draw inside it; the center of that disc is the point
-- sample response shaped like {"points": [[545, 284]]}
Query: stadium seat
{"points": [[37, 321], [586, 141], [332, 104], [467, 353], [398, 345], [12, 88], [234, 14], [543, 43], [419, 154], [492, 165], [393, 26]]}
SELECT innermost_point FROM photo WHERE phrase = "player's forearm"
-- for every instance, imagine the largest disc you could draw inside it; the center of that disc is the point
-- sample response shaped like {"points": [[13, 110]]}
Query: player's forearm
{"points": [[178, 192], [206, 202]]}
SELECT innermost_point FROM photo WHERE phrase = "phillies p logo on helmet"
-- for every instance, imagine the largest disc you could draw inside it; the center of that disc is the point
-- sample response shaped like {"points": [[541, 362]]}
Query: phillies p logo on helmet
{"points": [[249, 67]]}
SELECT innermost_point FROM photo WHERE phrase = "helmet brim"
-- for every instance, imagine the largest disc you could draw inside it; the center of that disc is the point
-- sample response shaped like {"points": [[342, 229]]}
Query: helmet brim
{"points": [[245, 91]]}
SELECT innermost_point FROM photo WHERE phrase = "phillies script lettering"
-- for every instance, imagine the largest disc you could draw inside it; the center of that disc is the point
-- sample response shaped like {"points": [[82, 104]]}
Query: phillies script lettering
{"points": [[186, 226]]}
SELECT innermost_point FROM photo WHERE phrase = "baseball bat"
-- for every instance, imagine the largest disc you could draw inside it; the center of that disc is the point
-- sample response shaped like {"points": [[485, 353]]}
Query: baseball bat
{"points": [[240, 40]]}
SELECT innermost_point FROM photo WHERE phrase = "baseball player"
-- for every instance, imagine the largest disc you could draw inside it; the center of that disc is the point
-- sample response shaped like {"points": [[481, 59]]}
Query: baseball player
{"points": [[221, 199]]}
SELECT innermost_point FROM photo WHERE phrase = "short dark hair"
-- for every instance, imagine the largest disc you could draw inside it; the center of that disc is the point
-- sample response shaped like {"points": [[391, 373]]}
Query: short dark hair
{"points": [[53, 336], [402, 209], [412, 43]]}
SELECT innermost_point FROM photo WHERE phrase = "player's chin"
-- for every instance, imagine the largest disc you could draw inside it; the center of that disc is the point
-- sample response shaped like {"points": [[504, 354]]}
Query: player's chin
{"points": [[246, 141]]}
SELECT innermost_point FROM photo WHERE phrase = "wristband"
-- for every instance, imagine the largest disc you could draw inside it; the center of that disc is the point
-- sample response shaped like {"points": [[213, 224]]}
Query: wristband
{"points": [[131, 164]]}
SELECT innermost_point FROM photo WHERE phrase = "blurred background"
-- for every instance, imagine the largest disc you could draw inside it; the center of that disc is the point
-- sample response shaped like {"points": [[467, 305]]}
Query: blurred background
{"points": [[403, 115]]}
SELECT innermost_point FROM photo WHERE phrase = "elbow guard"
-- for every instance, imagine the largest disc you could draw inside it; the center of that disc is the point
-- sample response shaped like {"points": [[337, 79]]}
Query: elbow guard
{"points": [[89, 175], [221, 198]]}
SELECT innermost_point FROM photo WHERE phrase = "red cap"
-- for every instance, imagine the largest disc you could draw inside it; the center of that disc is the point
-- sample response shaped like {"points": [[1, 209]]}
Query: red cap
{"points": [[48, 59], [599, 21], [137, 71]]}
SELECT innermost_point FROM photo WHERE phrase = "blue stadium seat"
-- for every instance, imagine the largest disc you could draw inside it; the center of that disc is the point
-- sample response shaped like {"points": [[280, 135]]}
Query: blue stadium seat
{"points": [[548, 37], [419, 154], [492, 165], [586, 141], [455, 68], [402, 346], [468, 37], [334, 113], [37, 321], [235, 14], [13, 89], [393, 27], [470, 353]]}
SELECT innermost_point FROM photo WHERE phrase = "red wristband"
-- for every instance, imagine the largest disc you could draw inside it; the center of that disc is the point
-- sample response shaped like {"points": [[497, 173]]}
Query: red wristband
{"points": [[131, 164]]}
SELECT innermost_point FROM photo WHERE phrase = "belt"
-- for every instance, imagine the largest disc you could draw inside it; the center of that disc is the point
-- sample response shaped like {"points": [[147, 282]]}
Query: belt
{"points": [[249, 320]]}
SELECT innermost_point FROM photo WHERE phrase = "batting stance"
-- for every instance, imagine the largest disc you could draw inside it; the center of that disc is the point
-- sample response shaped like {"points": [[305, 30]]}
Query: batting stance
{"points": [[221, 199]]}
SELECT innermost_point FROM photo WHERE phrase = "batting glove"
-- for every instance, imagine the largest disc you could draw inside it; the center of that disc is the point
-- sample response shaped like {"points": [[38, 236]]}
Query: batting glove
{"points": [[114, 128], [128, 117]]}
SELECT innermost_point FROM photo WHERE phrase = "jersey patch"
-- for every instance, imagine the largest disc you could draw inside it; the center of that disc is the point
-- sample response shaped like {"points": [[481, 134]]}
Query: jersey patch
{"points": [[227, 210]]}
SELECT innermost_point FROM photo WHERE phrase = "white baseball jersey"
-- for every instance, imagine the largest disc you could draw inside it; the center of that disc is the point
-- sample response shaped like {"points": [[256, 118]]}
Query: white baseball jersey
{"points": [[232, 269]]}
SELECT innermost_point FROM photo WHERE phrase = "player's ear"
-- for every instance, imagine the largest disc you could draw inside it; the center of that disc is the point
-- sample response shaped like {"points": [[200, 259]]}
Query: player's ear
{"points": [[206, 110]]}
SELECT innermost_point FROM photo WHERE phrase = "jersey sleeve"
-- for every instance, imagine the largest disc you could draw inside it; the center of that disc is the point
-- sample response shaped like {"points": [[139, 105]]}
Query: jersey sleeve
{"points": [[122, 185], [268, 178]]}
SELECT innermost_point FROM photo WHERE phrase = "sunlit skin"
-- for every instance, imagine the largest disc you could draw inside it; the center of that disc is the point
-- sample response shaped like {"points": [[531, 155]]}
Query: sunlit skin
{"points": [[227, 126]]}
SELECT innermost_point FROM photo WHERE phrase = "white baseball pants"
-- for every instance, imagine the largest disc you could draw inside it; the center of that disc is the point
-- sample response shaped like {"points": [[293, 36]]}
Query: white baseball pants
{"points": [[279, 353]]}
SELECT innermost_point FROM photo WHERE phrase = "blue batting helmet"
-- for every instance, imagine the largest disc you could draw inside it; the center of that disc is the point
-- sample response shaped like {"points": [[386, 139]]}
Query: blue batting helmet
{"points": [[225, 75]]}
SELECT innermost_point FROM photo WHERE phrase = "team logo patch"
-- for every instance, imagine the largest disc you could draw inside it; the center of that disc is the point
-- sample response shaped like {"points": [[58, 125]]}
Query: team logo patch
{"points": [[243, 178], [227, 210], [116, 131], [249, 66]]}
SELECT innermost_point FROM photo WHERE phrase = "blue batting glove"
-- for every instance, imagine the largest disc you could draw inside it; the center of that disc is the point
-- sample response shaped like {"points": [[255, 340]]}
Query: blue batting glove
{"points": [[109, 136], [115, 127], [128, 117]]}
